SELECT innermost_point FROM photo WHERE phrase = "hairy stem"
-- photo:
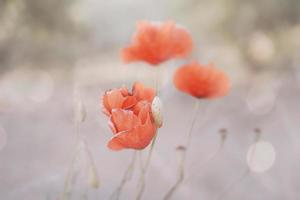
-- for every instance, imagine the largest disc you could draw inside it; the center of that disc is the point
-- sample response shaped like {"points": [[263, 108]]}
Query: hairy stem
{"points": [[213, 156], [181, 170], [92, 170], [142, 179], [144, 168], [68, 180], [244, 174], [126, 177]]}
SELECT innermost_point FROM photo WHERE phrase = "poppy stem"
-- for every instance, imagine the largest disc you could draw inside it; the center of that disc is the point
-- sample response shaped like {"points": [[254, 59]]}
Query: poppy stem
{"points": [[67, 186], [126, 177], [92, 173], [142, 179], [223, 137], [196, 111], [81, 145], [150, 152], [157, 81], [245, 173], [181, 170], [144, 168], [213, 156], [216, 153]]}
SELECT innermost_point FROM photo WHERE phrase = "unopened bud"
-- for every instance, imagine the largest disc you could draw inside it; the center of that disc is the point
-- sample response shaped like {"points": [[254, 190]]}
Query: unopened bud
{"points": [[156, 108]]}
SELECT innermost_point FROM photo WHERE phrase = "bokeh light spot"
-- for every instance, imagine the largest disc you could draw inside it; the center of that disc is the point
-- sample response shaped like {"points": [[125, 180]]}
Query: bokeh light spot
{"points": [[20, 85], [261, 100], [261, 47], [43, 88], [261, 156]]}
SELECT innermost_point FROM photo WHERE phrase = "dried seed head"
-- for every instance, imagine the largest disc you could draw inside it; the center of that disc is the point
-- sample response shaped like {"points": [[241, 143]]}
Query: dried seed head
{"points": [[181, 148], [223, 132], [156, 108], [257, 132]]}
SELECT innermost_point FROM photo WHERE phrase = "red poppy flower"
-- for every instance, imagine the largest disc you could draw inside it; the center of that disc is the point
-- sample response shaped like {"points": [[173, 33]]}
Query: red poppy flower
{"points": [[201, 81], [155, 43], [131, 120], [122, 98]]}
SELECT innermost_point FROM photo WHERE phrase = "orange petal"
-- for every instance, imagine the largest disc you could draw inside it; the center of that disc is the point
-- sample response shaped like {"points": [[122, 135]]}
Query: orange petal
{"points": [[144, 110], [112, 99], [123, 120], [129, 102], [106, 108], [137, 138], [112, 127], [139, 106], [115, 145], [157, 42], [143, 93], [201, 81], [124, 91]]}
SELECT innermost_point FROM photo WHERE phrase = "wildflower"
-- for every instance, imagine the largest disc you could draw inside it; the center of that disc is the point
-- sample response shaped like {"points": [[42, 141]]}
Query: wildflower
{"points": [[155, 43], [131, 119], [122, 98], [201, 81]]}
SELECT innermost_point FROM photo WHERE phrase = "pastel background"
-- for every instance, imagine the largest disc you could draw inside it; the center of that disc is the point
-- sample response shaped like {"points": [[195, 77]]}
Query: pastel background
{"points": [[49, 48]]}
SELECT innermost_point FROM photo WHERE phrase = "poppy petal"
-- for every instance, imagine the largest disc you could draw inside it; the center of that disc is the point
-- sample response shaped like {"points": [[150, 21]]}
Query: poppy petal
{"points": [[137, 138], [115, 145], [124, 91], [144, 110], [112, 99], [129, 102], [124, 120], [157, 42], [143, 93], [112, 127], [201, 81]]}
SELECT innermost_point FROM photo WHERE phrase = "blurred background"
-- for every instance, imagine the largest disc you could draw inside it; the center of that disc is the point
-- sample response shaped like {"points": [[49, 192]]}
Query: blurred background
{"points": [[51, 48]]}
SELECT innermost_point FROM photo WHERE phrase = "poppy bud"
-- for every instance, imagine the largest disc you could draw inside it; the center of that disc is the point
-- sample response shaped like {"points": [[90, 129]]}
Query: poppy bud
{"points": [[156, 108]]}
